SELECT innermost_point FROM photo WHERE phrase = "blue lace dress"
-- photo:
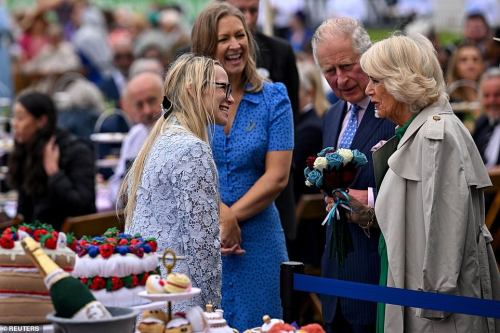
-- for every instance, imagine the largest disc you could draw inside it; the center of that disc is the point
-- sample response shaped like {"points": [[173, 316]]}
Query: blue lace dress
{"points": [[250, 283], [178, 203]]}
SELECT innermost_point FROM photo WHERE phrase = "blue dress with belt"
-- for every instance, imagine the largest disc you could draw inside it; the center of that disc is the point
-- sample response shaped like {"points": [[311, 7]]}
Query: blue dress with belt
{"points": [[250, 283]]}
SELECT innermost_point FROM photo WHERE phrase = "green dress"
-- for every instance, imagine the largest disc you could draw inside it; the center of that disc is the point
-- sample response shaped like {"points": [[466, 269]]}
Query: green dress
{"points": [[382, 248]]}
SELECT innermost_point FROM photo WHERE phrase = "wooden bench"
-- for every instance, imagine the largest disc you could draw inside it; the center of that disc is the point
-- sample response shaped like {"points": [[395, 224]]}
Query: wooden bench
{"points": [[94, 224]]}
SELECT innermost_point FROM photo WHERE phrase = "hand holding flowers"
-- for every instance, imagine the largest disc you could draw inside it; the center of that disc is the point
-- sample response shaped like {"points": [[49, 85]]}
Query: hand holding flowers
{"points": [[333, 171]]}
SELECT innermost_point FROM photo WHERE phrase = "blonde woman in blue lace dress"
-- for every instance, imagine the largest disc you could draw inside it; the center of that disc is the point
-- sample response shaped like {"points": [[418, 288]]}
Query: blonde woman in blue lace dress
{"points": [[172, 186]]}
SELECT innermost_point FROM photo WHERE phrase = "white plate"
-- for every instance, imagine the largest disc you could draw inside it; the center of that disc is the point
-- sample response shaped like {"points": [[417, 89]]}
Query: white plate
{"points": [[149, 306], [107, 163], [159, 253], [170, 297], [108, 137]]}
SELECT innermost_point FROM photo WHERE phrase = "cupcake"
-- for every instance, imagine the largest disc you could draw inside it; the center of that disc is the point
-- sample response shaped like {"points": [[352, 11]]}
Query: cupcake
{"points": [[177, 283]]}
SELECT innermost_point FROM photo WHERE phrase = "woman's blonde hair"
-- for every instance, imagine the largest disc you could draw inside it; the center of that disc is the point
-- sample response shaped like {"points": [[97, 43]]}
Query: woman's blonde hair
{"points": [[204, 39], [185, 85], [311, 81], [409, 69]]}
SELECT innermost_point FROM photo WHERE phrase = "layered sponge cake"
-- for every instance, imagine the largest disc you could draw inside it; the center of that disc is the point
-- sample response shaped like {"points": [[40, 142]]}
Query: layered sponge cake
{"points": [[24, 299]]}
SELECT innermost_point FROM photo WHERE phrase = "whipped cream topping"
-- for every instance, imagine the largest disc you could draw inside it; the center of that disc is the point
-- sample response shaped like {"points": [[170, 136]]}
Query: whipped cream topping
{"points": [[116, 265]]}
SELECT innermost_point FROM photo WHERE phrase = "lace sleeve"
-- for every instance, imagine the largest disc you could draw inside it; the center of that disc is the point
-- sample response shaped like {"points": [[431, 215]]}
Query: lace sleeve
{"points": [[197, 201]]}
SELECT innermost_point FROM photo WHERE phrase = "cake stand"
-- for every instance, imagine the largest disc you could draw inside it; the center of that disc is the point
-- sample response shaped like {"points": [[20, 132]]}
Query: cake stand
{"points": [[169, 260]]}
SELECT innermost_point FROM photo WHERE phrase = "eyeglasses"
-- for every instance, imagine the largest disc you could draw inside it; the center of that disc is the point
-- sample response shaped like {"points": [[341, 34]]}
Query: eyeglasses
{"points": [[226, 86]]}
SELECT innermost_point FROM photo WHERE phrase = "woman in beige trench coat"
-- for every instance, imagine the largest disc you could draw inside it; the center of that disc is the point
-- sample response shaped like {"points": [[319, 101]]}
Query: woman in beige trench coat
{"points": [[430, 205]]}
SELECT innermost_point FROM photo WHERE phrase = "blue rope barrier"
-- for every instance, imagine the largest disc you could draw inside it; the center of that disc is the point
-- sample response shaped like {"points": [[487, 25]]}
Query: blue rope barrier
{"points": [[397, 296]]}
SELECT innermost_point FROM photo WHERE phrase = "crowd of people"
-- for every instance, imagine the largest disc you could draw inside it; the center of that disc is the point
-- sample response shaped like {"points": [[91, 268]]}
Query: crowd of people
{"points": [[218, 121]]}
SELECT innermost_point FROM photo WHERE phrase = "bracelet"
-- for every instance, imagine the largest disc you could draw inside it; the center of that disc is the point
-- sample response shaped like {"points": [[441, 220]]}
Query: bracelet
{"points": [[371, 221]]}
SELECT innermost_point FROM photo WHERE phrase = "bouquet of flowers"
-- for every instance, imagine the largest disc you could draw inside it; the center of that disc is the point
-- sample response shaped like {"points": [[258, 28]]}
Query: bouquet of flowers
{"points": [[333, 171]]}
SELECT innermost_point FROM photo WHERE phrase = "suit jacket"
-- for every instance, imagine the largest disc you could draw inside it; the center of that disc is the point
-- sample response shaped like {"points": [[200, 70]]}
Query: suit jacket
{"points": [[482, 135], [363, 263], [277, 57], [308, 142], [109, 89]]}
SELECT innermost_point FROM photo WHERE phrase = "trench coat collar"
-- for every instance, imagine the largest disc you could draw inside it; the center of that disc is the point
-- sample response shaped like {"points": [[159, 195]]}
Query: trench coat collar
{"points": [[442, 106]]}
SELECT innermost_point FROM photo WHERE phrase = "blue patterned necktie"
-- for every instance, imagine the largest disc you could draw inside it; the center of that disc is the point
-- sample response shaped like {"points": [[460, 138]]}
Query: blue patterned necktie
{"points": [[350, 130]]}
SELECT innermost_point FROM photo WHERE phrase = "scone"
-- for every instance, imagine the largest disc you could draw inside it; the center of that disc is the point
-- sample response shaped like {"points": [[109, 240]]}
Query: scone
{"points": [[153, 321], [177, 283]]}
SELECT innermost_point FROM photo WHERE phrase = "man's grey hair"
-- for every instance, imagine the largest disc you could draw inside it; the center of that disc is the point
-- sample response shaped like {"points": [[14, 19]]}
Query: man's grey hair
{"points": [[490, 73], [142, 65], [342, 26]]}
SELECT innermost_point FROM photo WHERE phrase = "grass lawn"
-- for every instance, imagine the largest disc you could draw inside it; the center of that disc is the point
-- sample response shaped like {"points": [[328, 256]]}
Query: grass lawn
{"points": [[377, 34]]}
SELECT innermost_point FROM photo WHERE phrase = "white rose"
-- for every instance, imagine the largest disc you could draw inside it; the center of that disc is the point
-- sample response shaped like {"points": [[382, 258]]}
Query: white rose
{"points": [[346, 155], [320, 163]]}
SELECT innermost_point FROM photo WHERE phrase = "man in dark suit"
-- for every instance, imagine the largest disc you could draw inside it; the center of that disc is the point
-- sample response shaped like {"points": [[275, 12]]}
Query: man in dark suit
{"points": [[337, 46], [487, 129], [276, 61], [113, 85]]}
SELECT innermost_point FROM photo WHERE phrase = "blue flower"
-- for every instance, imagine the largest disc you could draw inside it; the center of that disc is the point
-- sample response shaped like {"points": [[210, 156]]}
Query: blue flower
{"points": [[99, 239], [323, 152], [358, 158], [307, 170], [335, 161], [315, 177]]}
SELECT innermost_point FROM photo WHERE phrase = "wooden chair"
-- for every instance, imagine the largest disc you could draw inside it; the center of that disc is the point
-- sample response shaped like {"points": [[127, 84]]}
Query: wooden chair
{"points": [[310, 206], [6, 222], [94, 224]]}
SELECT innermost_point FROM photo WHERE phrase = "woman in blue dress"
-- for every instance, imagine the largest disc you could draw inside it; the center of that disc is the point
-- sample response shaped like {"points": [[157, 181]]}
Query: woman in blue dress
{"points": [[253, 153]]}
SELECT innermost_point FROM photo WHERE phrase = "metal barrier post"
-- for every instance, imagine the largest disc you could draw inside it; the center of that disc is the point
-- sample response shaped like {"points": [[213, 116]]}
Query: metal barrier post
{"points": [[290, 298]]}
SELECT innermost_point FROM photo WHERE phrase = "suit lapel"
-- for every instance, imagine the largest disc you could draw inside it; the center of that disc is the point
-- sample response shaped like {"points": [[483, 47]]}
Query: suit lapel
{"points": [[365, 129]]}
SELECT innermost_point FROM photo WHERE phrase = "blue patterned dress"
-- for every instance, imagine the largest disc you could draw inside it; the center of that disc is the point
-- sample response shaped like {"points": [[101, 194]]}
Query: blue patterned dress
{"points": [[250, 283]]}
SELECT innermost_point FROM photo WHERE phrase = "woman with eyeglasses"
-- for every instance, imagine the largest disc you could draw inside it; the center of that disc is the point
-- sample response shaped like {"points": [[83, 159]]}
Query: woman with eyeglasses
{"points": [[253, 153], [172, 186]]}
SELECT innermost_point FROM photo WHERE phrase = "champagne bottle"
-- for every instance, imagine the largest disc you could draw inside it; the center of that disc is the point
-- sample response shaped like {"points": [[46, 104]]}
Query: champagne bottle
{"points": [[70, 297]]}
